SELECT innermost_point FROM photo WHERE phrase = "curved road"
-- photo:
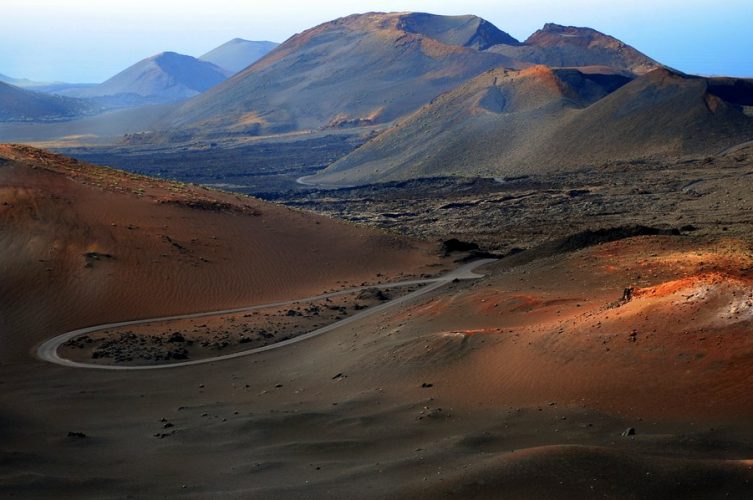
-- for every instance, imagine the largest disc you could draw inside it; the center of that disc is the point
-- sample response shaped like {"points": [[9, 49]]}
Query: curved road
{"points": [[304, 182], [48, 351]]}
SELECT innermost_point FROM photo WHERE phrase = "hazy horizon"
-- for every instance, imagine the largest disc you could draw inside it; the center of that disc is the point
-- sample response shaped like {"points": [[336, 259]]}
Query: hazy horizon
{"points": [[85, 41]]}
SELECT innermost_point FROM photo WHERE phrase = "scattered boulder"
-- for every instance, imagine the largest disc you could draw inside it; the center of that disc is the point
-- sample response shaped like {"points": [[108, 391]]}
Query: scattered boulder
{"points": [[179, 353], [455, 245], [177, 245], [630, 431], [430, 413], [373, 294], [76, 435], [91, 257], [574, 193], [176, 337]]}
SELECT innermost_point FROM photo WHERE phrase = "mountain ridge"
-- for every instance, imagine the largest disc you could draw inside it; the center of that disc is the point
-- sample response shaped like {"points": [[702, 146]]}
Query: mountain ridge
{"points": [[373, 68], [237, 54], [164, 77], [563, 46], [541, 120], [23, 105], [319, 77]]}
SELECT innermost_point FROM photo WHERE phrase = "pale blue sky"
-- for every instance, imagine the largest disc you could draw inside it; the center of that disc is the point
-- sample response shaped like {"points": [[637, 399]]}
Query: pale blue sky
{"points": [[90, 40]]}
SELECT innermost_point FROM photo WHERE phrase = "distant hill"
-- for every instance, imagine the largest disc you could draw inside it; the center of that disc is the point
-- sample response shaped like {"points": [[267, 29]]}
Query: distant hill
{"points": [[165, 77], [358, 70], [238, 54], [540, 119], [21, 105], [18, 82], [568, 46], [47, 87], [369, 69]]}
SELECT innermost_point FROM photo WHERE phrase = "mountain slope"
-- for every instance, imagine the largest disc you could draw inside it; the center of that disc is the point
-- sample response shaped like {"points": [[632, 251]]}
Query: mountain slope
{"points": [[358, 70], [103, 245], [20, 105], [164, 77], [539, 119], [238, 54], [569, 46], [663, 113]]}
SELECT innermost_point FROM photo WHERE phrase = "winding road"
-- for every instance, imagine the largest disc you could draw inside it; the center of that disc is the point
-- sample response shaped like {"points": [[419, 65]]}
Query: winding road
{"points": [[303, 181], [48, 350]]}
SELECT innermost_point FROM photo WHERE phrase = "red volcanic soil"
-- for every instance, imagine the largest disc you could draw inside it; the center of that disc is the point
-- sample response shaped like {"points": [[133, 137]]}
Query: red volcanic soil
{"points": [[83, 245], [566, 329], [520, 385], [543, 380]]}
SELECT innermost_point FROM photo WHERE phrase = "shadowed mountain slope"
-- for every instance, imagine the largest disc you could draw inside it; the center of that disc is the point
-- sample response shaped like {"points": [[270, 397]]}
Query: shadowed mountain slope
{"points": [[238, 54], [539, 119], [358, 70], [462, 31], [20, 105]]}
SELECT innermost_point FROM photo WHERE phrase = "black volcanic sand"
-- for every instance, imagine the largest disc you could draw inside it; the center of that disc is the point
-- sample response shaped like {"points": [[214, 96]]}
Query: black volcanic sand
{"points": [[702, 196], [252, 166]]}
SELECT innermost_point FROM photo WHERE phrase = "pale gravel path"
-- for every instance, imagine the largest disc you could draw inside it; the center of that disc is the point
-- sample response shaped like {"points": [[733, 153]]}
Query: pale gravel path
{"points": [[48, 350]]}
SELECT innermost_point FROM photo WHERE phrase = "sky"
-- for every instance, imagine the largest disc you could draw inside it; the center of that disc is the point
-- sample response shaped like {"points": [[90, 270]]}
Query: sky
{"points": [[91, 40]]}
